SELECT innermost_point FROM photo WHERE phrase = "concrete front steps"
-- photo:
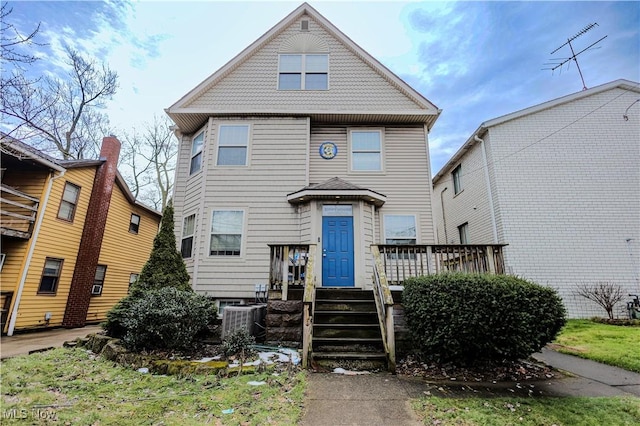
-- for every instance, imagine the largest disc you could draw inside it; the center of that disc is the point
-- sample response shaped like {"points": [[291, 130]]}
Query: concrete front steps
{"points": [[346, 332]]}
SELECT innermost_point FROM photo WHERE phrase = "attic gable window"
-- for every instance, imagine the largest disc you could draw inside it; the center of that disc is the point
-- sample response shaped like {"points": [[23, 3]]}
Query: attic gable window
{"points": [[303, 72]]}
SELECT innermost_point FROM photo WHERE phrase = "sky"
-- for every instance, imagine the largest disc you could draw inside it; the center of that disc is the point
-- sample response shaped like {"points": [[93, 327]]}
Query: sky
{"points": [[475, 60]]}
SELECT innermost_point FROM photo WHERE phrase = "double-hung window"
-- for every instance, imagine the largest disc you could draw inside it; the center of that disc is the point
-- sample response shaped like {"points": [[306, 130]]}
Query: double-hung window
{"points": [[366, 150], [457, 179], [50, 276], [134, 223], [69, 202], [196, 153], [186, 245], [303, 72], [233, 141], [98, 280], [226, 232], [463, 232], [400, 229]]}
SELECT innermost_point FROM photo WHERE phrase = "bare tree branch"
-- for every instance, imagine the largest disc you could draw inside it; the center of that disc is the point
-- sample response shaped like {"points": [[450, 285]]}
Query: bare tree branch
{"points": [[605, 294], [150, 158], [62, 113]]}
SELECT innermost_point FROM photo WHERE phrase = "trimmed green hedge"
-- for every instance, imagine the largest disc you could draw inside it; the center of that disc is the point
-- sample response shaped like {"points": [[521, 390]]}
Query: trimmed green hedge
{"points": [[472, 319], [166, 318]]}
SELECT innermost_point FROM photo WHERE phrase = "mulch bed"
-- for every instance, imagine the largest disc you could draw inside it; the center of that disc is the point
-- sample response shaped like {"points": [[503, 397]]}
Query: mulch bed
{"points": [[520, 371]]}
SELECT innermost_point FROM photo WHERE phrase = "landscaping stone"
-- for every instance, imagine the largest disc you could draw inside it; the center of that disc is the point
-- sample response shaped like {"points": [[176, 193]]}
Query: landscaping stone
{"points": [[97, 342], [285, 306]]}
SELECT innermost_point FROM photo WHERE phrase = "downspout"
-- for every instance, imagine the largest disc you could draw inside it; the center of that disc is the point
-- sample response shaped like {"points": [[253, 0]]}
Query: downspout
{"points": [[486, 176], [444, 216], [32, 247]]}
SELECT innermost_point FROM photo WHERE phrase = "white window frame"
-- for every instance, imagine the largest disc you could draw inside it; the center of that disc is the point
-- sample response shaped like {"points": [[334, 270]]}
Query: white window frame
{"points": [[72, 206], [463, 233], [223, 303], [380, 131], [247, 146], [303, 71], [98, 284], [134, 227], [198, 153], [415, 226], [185, 235], [456, 177], [242, 235]]}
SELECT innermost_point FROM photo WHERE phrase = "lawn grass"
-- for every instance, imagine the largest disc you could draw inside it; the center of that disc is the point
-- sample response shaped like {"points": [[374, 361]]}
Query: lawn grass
{"points": [[610, 344], [574, 411], [75, 387]]}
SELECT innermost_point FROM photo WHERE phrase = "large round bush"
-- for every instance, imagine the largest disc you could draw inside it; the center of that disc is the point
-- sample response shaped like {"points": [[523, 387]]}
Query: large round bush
{"points": [[472, 319], [167, 318]]}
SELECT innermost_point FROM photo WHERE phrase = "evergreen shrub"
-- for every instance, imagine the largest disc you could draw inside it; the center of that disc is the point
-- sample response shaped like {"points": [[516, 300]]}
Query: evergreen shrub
{"points": [[167, 318], [479, 319]]}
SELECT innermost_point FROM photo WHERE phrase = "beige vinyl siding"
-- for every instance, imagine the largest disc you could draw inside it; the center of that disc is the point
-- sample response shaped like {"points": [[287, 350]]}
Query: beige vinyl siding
{"points": [[353, 84], [406, 178], [122, 252], [367, 217], [304, 211], [277, 166], [58, 239]]}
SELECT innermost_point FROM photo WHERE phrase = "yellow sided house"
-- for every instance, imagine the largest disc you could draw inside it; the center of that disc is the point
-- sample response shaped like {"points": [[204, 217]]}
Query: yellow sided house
{"points": [[73, 237]]}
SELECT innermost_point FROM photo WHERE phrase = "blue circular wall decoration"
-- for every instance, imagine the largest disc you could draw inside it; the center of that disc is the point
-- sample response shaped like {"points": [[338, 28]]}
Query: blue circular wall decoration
{"points": [[328, 150]]}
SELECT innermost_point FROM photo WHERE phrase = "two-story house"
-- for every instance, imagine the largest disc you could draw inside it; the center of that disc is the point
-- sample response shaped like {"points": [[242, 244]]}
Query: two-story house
{"points": [[298, 161], [73, 237], [560, 183], [301, 138]]}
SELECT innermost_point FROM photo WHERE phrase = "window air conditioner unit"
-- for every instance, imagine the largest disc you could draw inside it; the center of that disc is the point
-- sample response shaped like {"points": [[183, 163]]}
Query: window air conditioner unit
{"points": [[250, 317], [96, 289]]}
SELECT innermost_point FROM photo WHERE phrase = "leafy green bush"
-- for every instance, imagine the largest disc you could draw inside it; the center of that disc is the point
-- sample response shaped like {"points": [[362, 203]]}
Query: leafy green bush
{"points": [[166, 318], [238, 343], [472, 319], [113, 326]]}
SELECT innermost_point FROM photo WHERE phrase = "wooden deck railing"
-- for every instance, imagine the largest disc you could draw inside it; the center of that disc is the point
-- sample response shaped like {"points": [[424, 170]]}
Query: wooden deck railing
{"points": [[288, 266], [400, 262], [384, 306], [18, 212]]}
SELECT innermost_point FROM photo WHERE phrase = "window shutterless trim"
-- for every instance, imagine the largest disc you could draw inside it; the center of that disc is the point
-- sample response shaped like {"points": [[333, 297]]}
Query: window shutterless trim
{"points": [[74, 204], [56, 281], [134, 228], [303, 72], [247, 146], [197, 154], [380, 131]]}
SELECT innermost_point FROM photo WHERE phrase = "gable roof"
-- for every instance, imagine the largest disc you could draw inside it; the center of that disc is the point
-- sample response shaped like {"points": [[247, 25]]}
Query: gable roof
{"points": [[190, 119], [336, 189], [620, 83], [20, 150]]}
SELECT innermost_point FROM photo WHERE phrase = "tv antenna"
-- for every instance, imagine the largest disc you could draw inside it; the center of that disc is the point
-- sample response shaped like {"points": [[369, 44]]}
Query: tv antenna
{"points": [[559, 63]]}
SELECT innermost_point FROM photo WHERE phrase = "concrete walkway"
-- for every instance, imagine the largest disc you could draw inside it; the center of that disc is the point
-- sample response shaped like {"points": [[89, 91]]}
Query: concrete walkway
{"points": [[25, 343], [382, 398]]}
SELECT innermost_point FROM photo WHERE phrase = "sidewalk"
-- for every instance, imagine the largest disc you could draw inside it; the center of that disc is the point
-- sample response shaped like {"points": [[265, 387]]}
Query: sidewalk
{"points": [[334, 399], [22, 344], [382, 398]]}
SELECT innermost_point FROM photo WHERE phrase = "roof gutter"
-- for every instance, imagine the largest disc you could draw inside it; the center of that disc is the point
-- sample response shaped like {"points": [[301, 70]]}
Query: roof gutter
{"points": [[492, 212], [32, 246]]}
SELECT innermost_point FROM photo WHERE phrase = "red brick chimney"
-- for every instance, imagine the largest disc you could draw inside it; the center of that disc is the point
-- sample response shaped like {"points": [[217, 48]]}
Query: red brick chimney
{"points": [[75, 314]]}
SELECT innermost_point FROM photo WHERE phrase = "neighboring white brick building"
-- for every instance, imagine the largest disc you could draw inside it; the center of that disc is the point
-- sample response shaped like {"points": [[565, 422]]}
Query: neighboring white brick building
{"points": [[560, 183]]}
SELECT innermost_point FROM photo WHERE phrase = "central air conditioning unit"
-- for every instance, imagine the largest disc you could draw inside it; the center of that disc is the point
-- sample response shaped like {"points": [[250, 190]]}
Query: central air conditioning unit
{"points": [[251, 317]]}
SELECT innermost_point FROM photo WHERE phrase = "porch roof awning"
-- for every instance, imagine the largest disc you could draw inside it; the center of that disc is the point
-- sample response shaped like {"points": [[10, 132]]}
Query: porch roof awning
{"points": [[336, 189]]}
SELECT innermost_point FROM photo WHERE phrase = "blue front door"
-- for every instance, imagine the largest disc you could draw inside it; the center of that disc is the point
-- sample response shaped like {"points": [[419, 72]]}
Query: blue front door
{"points": [[337, 251]]}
